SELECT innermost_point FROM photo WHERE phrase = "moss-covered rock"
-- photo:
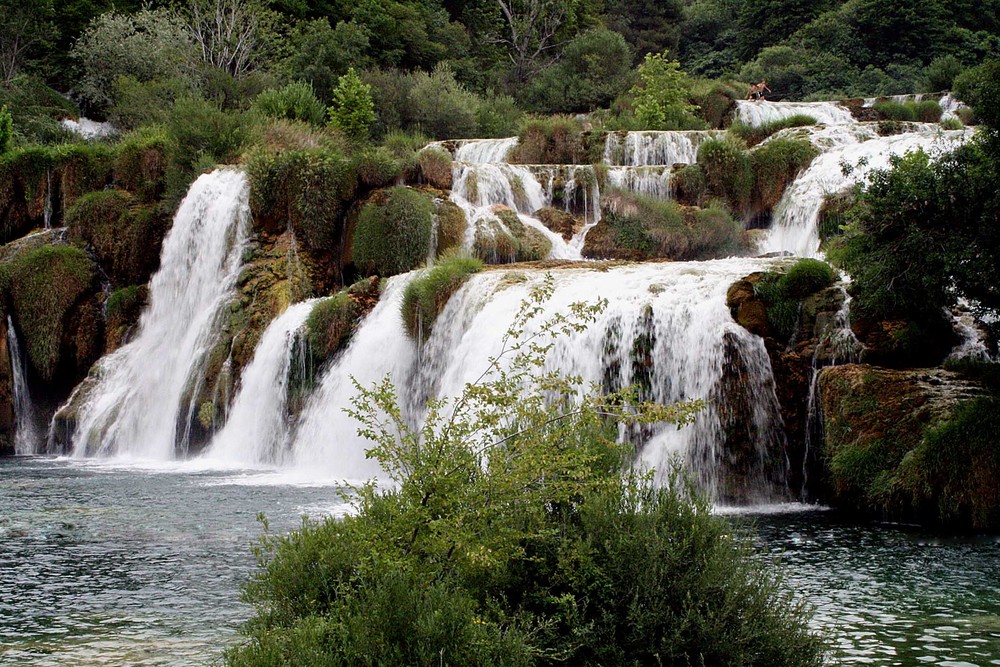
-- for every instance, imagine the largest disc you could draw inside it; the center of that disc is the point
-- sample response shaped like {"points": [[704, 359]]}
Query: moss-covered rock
{"points": [[507, 240], [555, 140], [122, 311], [330, 324], [775, 165], [561, 222], [124, 234], [52, 295], [912, 445], [451, 226], [140, 165], [435, 167]]}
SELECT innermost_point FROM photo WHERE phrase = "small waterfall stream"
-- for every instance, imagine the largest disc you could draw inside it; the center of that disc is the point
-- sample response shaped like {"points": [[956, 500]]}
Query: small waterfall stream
{"points": [[762, 112], [26, 438], [134, 407]]}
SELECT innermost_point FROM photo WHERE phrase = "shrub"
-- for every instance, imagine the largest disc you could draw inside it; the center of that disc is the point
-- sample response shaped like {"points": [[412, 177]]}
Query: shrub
{"points": [[556, 140], [497, 116], [353, 110], [390, 90], [393, 234], [295, 101], [716, 99], [44, 285], [782, 293], [140, 103], [940, 74], [329, 325], [404, 144], [728, 171], [425, 297], [378, 167], [893, 110], [537, 570], [6, 130], [807, 276], [201, 130], [84, 168], [775, 164], [927, 111], [141, 163], [440, 106], [754, 134], [435, 167], [951, 124], [661, 96]]}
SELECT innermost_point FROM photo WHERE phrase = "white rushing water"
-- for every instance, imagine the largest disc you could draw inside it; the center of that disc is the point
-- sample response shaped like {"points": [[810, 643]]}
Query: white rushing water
{"points": [[257, 429], [137, 403], [89, 129], [653, 148], [484, 150], [25, 431], [762, 112], [646, 181], [796, 217], [666, 327]]}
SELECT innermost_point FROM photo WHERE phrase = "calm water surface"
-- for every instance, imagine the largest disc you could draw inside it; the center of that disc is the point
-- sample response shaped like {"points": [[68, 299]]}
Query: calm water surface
{"points": [[117, 565]]}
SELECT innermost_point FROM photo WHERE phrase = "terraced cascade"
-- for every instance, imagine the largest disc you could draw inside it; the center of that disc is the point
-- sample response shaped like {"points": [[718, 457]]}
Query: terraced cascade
{"points": [[139, 399]]}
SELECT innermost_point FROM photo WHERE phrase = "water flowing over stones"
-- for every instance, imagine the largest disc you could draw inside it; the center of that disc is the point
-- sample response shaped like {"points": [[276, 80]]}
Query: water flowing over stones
{"points": [[643, 149], [257, 427], [139, 403], [667, 329], [762, 112], [26, 438]]}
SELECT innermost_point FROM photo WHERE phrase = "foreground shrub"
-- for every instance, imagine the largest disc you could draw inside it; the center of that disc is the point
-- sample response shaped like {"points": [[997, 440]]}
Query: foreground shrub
{"points": [[513, 534], [393, 233], [426, 296]]}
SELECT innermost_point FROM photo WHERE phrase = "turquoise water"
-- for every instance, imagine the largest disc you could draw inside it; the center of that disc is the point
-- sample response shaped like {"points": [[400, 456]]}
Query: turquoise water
{"points": [[120, 565]]}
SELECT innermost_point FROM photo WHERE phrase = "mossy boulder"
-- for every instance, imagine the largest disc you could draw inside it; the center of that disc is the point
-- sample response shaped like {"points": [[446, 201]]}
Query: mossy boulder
{"points": [[912, 446], [507, 239], [122, 312], [140, 165], [560, 222], [51, 292], [435, 167], [451, 226], [124, 234], [393, 232], [425, 297], [330, 324]]}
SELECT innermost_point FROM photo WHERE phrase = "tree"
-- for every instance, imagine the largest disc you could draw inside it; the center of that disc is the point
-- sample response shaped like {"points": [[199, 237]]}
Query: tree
{"points": [[661, 96], [530, 29], [25, 27], [440, 106], [353, 110], [233, 36], [321, 55]]}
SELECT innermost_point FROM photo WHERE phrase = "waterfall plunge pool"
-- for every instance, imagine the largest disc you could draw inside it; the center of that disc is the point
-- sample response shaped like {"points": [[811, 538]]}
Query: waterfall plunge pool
{"points": [[114, 564]]}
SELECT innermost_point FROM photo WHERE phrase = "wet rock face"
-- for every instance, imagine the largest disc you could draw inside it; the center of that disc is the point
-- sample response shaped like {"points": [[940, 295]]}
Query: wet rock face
{"points": [[902, 445]]}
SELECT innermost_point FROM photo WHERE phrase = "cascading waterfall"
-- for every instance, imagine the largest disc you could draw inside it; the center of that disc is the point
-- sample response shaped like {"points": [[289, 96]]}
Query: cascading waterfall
{"points": [[796, 217], [25, 430], [674, 335], [646, 181], [257, 430], [138, 399], [653, 148], [484, 150], [762, 112]]}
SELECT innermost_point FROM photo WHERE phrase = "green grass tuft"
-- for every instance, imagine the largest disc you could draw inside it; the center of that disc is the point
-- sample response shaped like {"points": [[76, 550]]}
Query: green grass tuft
{"points": [[425, 297]]}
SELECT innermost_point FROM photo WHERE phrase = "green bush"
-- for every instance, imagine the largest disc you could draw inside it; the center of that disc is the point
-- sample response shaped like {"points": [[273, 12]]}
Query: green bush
{"points": [[941, 73], [497, 116], [6, 130], [927, 111], [555, 140], [200, 130], [36, 110], [754, 134], [783, 293], [353, 110], [404, 144], [440, 106], [509, 534], [295, 101], [716, 99], [807, 276], [393, 234], [141, 163], [43, 287], [425, 297], [330, 324], [378, 167], [451, 227], [141, 103], [775, 165], [728, 171], [951, 124], [893, 110], [661, 98]]}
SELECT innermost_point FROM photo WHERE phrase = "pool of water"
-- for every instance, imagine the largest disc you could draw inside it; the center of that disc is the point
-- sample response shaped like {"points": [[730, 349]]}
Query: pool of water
{"points": [[104, 564]]}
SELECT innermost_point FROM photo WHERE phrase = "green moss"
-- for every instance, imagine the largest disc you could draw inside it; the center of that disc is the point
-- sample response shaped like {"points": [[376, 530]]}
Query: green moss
{"points": [[513, 241], [716, 99], [425, 297], [689, 184], [728, 171], [330, 324], [807, 276], [84, 168], [775, 165], [393, 233], [754, 134], [435, 167], [782, 294], [451, 227], [43, 286]]}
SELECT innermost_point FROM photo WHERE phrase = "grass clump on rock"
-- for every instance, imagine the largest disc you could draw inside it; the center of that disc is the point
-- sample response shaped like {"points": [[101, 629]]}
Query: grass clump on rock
{"points": [[329, 325], [435, 167], [393, 233], [754, 134], [775, 165], [556, 140], [782, 293], [728, 171], [507, 239], [451, 226], [425, 297]]}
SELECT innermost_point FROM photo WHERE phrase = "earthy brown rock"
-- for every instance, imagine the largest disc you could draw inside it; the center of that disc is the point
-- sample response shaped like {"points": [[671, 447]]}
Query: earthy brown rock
{"points": [[560, 222]]}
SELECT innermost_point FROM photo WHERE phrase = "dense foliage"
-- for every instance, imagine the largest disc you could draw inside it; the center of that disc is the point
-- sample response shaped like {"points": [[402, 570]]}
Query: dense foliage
{"points": [[511, 536]]}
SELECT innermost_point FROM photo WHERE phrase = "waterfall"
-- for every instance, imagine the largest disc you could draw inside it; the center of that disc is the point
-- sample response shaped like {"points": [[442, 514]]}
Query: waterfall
{"points": [[25, 431], [47, 209], [138, 398], [796, 217], [649, 148], [667, 327], [484, 150], [257, 429], [761, 112], [646, 181]]}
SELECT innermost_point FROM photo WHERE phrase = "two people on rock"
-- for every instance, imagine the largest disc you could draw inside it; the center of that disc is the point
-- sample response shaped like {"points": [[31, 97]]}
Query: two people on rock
{"points": [[757, 90]]}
